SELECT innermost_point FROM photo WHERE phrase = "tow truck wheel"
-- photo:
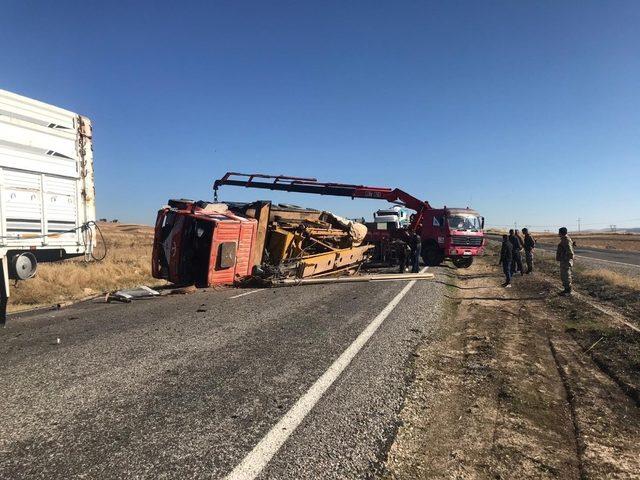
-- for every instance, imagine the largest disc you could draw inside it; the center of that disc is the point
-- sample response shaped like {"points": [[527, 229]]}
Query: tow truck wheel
{"points": [[432, 255], [462, 262]]}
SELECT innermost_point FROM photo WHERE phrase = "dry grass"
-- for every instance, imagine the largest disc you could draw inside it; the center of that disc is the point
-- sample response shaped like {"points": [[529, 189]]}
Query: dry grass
{"points": [[127, 264], [628, 242], [613, 278]]}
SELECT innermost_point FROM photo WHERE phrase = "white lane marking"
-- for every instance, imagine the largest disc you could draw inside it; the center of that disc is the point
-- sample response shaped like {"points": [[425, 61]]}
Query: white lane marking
{"points": [[245, 293], [264, 451]]}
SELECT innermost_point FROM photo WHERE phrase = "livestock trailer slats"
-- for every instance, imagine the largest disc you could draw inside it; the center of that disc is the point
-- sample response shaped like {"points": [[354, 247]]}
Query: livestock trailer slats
{"points": [[46, 177]]}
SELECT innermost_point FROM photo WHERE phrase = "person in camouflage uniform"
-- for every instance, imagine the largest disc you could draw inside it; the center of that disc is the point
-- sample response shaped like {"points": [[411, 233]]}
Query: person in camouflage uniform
{"points": [[564, 255], [529, 246]]}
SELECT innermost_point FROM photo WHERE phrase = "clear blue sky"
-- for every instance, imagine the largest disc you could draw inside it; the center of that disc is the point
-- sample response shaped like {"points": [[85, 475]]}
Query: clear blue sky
{"points": [[528, 111]]}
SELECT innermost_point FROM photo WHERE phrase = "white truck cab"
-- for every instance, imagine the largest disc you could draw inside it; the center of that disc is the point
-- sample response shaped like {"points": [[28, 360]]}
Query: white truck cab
{"points": [[396, 215]]}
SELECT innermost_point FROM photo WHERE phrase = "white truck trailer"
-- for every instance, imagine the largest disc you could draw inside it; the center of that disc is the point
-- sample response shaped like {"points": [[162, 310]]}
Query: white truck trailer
{"points": [[47, 194]]}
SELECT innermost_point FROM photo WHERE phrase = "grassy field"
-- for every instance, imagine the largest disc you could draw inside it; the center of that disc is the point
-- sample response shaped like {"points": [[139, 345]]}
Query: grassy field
{"points": [[628, 242], [128, 264], [614, 278]]}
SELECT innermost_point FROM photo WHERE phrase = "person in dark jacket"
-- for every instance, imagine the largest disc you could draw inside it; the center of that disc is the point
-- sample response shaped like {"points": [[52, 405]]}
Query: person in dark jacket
{"points": [[506, 257], [416, 246], [516, 261], [529, 246], [403, 251]]}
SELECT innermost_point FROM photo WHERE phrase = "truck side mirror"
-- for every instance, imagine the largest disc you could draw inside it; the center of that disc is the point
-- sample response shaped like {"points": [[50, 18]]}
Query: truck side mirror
{"points": [[482, 228]]}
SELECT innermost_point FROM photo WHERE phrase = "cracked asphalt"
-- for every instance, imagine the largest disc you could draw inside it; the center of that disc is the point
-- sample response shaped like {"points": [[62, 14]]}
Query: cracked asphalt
{"points": [[185, 386]]}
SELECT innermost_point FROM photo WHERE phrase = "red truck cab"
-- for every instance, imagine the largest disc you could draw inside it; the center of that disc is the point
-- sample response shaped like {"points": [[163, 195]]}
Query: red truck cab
{"points": [[454, 233], [201, 243]]}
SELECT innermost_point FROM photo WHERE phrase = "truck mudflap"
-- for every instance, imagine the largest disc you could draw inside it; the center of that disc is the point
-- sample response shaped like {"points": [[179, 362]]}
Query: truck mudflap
{"points": [[4, 289]]}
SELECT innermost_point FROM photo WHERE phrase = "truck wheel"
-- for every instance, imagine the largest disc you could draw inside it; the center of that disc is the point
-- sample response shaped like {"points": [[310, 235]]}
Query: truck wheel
{"points": [[23, 266], [432, 255], [462, 262]]}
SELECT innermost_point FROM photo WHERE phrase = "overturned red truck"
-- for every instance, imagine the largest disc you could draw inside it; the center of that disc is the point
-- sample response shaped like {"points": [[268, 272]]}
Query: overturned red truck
{"points": [[206, 243]]}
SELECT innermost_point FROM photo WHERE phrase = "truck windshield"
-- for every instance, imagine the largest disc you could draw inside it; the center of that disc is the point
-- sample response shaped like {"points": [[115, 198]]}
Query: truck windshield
{"points": [[384, 213], [465, 222]]}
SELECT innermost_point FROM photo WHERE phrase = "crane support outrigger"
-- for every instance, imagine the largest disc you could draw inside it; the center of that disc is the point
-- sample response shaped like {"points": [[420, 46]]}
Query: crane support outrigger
{"points": [[455, 233]]}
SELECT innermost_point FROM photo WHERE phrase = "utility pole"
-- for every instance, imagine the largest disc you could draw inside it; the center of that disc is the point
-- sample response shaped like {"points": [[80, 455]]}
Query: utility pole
{"points": [[578, 224]]}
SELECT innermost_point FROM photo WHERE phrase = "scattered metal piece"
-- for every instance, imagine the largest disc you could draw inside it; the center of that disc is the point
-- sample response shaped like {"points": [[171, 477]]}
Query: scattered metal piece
{"points": [[597, 342]]}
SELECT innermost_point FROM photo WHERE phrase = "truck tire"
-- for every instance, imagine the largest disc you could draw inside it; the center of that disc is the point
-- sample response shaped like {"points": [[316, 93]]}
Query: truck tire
{"points": [[462, 262], [23, 266], [432, 255]]}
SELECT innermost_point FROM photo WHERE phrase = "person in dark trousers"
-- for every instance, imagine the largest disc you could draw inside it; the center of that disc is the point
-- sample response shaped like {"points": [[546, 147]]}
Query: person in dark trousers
{"points": [[516, 261], [416, 246], [529, 247], [404, 256], [521, 247], [506, 257]]}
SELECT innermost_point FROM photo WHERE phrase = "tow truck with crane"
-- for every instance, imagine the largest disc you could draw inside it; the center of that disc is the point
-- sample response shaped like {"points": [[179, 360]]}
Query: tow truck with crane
{"points": [[447, 233]]}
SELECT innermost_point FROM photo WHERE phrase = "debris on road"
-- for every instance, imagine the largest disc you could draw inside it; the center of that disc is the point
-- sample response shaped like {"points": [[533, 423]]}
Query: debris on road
{"points": [[361, 278], [113, 297], [126, 296], [182, 290]]}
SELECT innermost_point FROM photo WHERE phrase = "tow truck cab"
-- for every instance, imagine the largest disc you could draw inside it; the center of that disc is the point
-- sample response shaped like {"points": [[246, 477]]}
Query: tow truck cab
{"points": [[455, 233]]}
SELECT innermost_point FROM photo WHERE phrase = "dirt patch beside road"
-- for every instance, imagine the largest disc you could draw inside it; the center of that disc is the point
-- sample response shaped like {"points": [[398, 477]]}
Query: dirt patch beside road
{"points": [[521, 383]]}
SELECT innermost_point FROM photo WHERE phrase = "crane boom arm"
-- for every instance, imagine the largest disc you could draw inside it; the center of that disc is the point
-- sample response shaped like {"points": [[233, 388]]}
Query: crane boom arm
{"points": [[311, 185]]}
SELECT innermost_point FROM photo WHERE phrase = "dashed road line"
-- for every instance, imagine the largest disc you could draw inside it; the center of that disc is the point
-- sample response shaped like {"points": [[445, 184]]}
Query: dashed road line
{"points": [[245, 293]]}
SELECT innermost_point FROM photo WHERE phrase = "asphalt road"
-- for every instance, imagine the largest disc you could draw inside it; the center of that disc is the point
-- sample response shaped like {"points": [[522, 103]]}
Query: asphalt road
{"points": [[186, 386], [631, 259]]}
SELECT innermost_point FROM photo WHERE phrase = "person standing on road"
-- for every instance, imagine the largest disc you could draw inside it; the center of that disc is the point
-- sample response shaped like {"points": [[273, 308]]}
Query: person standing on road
{"points": [[564, 255], [506, 257], [516, 261], [416, 246], [529, 246], [404, 255]]}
